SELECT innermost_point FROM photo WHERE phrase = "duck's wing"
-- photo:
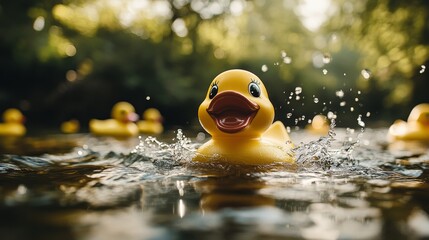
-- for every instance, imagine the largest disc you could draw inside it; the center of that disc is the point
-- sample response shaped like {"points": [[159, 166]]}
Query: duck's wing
{"points": [[277, 132]]}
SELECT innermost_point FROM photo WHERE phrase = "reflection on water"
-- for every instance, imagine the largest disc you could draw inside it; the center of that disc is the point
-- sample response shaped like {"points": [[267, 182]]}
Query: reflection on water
{"points": [[350, 186]]}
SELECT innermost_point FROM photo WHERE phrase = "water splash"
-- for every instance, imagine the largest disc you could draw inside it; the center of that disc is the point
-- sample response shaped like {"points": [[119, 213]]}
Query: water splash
{"points": [[160, 153], [360, 122], [326, 58], [285, 57], [339, 93], [423, 68], [264, 68], [322, 155], [366, 74]]}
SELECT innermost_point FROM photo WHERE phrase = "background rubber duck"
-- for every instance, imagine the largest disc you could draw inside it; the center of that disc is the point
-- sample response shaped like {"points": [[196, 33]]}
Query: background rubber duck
{"points": [[152, 122], [122, 124], [13, 123], [239, 116], [416, 128], [71, 126], [319, 125]]}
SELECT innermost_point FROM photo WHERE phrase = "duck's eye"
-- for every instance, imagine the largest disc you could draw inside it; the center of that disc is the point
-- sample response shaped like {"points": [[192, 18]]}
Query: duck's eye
{"points": [[123, 112], [254, 89], [213, 91]]}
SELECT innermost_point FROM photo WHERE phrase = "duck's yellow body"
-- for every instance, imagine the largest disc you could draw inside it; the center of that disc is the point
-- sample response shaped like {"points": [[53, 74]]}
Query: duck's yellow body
{"points": [[238, 114], [416, 128], [71, 126], [121, 125], [151, 123], [13, 123]]}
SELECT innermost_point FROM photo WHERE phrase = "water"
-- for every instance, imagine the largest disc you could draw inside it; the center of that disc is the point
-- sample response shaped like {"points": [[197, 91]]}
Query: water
{"points": [[350, 184]]}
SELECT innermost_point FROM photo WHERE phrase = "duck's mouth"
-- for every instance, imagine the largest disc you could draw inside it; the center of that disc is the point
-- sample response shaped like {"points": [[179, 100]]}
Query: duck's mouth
{"points": [[232, 111]]}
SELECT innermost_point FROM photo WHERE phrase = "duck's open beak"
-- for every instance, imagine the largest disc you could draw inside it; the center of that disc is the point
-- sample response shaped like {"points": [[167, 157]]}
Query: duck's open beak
{"points": [[232, 111]]}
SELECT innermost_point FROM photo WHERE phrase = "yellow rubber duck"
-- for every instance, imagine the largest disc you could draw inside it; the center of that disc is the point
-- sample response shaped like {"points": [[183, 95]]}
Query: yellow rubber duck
{"points": [[416, 127], [13, 123], [122, 124], [71, 126], [319, 125], [239, 116], [152, 122]]}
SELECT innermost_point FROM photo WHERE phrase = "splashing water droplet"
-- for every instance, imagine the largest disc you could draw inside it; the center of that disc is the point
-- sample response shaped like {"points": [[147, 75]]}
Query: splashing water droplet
{"points": [[359, 92], [283, 53], [289, 115], [288, 129], [423, 68], [352, 109], [368, 114], [325, 71], [340, 93], [326, 58], [343, 103], [344, 74], [366, 74], [201, 136], [147, 98], [287, 60], [298, 90], [297, 98], [264, 68], [360, 122], [331, 115], [316, 100], [356, 99], [276, 63]]}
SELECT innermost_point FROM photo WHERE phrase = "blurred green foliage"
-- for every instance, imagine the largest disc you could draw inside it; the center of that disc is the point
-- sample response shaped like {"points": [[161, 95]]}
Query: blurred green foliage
{"points": [[74, 59]]}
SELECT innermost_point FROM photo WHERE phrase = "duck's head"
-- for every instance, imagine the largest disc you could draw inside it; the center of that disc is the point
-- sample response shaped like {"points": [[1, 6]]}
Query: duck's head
{"points": [[13, 115], [124, 112], [152, 114], [236, 104], [420, 113]]}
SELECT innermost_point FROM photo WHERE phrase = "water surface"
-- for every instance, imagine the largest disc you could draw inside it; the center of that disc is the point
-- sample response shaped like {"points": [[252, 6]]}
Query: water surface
{"points": [[350, 185]]}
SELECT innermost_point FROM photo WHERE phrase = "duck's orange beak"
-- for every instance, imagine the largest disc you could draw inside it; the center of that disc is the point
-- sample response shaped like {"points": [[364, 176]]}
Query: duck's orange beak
{"points": [[132, 117], [232, 111]]}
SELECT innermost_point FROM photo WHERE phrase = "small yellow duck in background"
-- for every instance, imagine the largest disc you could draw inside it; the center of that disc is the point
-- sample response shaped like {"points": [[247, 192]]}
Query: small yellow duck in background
{"points": [[71, 126], [416, 127], [238, 114], [13, 123], [122, 124], [152, 122], [319, 125]]}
